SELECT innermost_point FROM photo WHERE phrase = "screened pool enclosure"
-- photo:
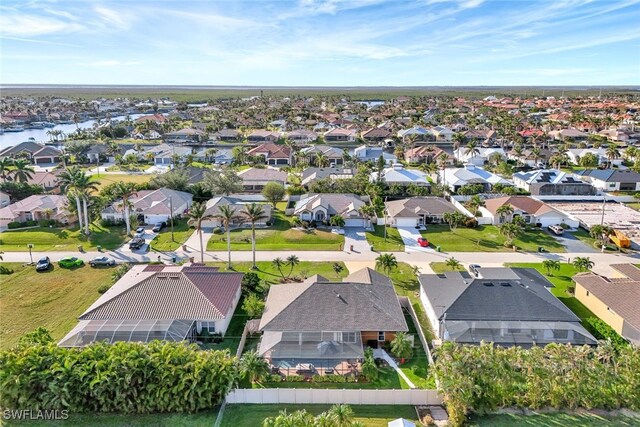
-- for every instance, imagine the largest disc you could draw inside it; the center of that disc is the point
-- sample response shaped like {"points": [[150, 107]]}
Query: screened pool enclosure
{"points": [[341, 345]]}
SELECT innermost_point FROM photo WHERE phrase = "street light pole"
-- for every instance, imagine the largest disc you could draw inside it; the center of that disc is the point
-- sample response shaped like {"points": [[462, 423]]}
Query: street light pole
{"points": [[171, 216], [30, 246]]}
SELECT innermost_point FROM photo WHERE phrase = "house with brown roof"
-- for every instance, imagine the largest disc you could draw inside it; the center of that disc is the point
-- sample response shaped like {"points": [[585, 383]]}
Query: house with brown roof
{"points": [[614, 300], [340, 135], [273, 154], [302, 136], [416, 211], [531, 210], [263, 136], [321, 207], [36, 208], [427, 154], [48, 180], [254, 179], [151, 206], [376, 135], [160, 302]]}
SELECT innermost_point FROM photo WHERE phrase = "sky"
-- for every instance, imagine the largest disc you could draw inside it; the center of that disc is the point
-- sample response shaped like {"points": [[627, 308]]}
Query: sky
{"points": [[321, 42]]}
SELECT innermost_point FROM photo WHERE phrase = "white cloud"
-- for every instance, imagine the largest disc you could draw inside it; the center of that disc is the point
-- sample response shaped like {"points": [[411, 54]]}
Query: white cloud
{"points": [[27, 25], [110, 63]]}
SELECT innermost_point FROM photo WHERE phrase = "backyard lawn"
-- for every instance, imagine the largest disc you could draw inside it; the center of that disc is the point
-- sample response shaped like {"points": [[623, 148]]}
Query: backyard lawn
{"points": [[105, 179], [552, 420], [279, 237], [442, 267], [181, 232], [487, 238], [562, 282], [368, 415], [393, 243], [52, 299], [205, 418], [62, 239]]}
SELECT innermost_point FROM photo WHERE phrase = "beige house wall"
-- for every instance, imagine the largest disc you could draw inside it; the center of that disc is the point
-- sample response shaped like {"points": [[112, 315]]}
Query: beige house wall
{"points": [[599, 308]]}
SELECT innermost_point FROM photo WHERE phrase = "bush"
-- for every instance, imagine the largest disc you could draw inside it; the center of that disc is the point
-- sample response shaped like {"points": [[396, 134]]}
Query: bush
{"points": [[328, 379], [107, 222], [5, 270], [218, 230], [295, 379], [123, 377], [104, 288], [274, 378], [46, 222], [602, 331], [16, 224], [471, 223]]}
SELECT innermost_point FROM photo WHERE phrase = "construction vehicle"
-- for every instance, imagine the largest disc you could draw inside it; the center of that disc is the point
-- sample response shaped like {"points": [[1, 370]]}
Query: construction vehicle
{"points": [[620, 239]]}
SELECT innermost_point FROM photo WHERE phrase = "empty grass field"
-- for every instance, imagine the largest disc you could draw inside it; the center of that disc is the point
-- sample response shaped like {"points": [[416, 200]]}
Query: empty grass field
{"points": [[487, 238], [393, 242], [52, 299], [105, 179], [62, 239]]}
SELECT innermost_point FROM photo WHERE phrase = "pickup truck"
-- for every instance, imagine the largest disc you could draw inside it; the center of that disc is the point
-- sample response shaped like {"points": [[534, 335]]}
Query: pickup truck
{"points": [[556, 229], [136, 243]]}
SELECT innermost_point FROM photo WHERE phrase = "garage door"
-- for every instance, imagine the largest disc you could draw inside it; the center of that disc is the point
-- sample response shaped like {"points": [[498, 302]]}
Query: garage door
{"points": [[354, 222]]}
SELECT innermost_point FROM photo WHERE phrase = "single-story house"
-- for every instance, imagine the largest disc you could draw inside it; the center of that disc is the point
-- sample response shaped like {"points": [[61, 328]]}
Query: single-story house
{"points": [[36, 208], [36, 153], [611, 179], [398, 175], [302, 136], [186, 135], [321, 207], [228, 135], [427, 154], [159, 302], [312, 174], [326, 322], [575, 154], [254, 179], [547, 182], [442, 133], [485, 137], [265, 136], [273, 154], [470, 174], [151, 206], [340, 135], [530, 158], [417, 132], [237, 204], [416, 211], [568, 135], [48, 180], [365, 153], [616, 301], [335, 156], [480, 157], [533, 211], [506, 306], [376, 134]]}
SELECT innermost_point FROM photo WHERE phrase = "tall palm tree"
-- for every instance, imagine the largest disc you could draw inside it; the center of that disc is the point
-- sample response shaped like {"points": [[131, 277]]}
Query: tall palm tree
{"points": [[471, 149], [124, 191], [226, 216], [505, 211], [85, 187], [22, 170], [253, 213], [386, 262], [583, 263], [5, 167], [612, 153], [197, 214], [292, 261], [69, 180], [322, 161]]}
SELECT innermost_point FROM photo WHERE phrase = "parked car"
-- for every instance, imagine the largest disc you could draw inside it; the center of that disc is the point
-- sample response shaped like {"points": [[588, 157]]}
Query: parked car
{"points": [[140, 230], [423, 242], [556, 229], [159, 226], [473, 268], [102, 260], [43, 264], [136, 243], [70, 262]]}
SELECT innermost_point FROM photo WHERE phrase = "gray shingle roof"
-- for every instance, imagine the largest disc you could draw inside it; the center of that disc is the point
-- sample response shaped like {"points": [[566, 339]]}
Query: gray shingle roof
{"points": [[414, 206]]}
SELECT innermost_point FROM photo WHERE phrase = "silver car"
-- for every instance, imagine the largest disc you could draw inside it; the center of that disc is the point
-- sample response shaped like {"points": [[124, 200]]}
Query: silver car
{"points": [[102, 260]]}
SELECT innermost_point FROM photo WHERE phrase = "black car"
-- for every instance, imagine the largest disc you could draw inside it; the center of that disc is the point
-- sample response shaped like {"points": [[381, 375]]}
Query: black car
{"points": [[136, 243], [159, 226], [43, 264]]}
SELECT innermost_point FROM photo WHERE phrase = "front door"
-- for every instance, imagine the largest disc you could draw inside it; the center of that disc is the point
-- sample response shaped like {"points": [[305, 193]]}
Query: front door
{"points": [[421, 220]]}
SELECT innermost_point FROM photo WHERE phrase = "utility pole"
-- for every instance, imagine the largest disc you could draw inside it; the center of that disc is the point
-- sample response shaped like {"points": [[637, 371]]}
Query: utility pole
{"points": [[98, 165], [384, 212], [171, 216], [604, 201]]}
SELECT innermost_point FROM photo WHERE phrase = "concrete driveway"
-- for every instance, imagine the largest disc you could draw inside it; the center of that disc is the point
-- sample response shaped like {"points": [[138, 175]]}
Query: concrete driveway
{"points": [[357, 238], [573, 244], [410, 237]]}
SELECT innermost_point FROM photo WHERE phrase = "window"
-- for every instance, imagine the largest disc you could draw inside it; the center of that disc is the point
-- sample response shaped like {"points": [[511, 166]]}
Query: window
{"points": [[349, 337], [209, 326], [588, 293], [381, 336]]}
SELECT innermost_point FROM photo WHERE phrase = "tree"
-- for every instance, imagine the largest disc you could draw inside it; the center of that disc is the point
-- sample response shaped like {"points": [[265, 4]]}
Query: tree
{"points": [[253, 305], [612, 153], [341, 414], [510, 230], [292, 261], [504, 211], [337, 221], [124, 191], [197, 214], [601, 234], [454, 219], [274, 193], [5, 167], [278, 263], [85, 187], [474, 203], [223, 182], [369, 367], [176, 179], [589, 160], [401, 346], [386, 262], [337, 268], [253, 213], [551, 264], [22, 170], [69, 182], [471, 149], [250, 282], [253, 367], [583, 263], [453, 263]]}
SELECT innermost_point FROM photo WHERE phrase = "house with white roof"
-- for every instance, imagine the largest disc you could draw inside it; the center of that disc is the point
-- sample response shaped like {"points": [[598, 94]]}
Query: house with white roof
{"points": [[417, 132], [470, 174], [575, 154], [151, 206], [365, 153], [321, 207], [398, 175], [442, 133], [552, 182], [479, 157]]}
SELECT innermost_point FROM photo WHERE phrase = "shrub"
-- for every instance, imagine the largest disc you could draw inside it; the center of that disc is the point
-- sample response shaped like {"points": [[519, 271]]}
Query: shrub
{"points": [[602, 331], [471, 223], [218, 230], [274, 378], [107, 222], [104, 288], [5, 270], [295, 379]]}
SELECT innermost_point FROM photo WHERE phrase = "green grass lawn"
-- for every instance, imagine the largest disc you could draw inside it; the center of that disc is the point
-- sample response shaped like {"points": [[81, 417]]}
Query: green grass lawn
{"points": [[368, 415], [206, 418], [586, 238], [634, 205], [279, 237], [393, 243], [234, 332], [388, 379], [105, 179], [487, 238], [442, 267], [52, 299], [416, 368], [62, 239], [562, 282], [552, 420], [181, 232]]}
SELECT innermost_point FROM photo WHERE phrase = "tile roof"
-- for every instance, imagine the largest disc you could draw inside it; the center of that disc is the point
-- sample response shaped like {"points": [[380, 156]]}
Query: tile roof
{"points": [[263, 174], [335, 203], [33, 203], [271, 150], [415, 206], [523, 203]]}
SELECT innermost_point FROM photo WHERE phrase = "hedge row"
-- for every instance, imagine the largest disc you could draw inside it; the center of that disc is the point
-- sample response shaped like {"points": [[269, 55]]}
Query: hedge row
{"points": [[603, 331]]}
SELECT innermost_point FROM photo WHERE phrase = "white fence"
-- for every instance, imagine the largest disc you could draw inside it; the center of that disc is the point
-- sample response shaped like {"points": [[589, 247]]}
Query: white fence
{"points": [[325, 396]]}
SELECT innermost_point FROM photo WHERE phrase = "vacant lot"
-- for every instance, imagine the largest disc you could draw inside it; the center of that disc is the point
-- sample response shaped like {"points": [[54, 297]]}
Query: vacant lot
{"points": [[106, 179], [181, 232], [62, 239], [279, 237], [393, 243], [52, 299], [487, 238]]}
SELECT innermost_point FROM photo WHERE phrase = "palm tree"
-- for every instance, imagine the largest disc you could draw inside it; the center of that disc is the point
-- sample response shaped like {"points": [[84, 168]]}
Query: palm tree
{"points": [[453, 263], [253, 367], [401, 346], [474, 204], [322, 161], [278, 263], [504, 211], [386, 262], [292, 261], [612, 153], [253, 213], [583, 263], [341, 414], [22, 170], [5, 167], [442, 162], [124, 191], [85, 186], [69, 180], [197, 214], [551, 264], [226, 216], [471, 149]]}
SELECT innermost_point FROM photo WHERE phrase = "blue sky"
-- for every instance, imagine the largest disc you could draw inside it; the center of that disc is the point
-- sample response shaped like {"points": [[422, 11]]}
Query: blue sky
{"points": [[321, 42]]}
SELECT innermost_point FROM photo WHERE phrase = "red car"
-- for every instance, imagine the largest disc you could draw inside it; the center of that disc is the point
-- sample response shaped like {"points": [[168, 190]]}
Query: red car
{"points": [[423, 242]]}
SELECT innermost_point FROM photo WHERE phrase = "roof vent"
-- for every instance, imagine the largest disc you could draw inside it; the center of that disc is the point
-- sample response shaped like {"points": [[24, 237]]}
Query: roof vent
{"points": [[337, 295], [488, 284], [505, 285]]}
